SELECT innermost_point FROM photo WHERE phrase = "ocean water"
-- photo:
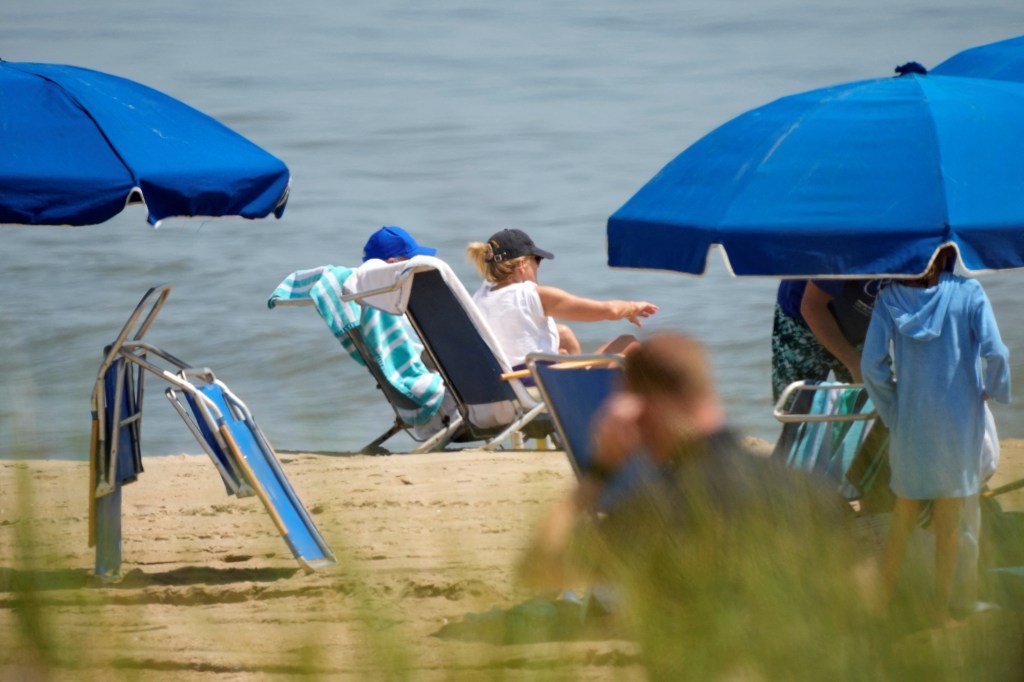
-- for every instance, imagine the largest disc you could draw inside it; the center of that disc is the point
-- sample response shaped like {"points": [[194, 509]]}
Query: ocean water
{"points": [[452, 118]]}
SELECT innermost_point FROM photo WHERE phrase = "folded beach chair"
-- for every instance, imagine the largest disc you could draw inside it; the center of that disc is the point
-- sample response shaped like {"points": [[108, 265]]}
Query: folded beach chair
{"points": [[459, 344], [243, 457], [831, 430], [114, 460], [377, 340], [115, 454], [228, 433]]}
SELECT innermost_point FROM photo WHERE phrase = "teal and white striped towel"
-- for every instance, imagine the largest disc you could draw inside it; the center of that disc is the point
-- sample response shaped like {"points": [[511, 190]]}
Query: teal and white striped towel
{"points": [[828, 447], [386, 336]]}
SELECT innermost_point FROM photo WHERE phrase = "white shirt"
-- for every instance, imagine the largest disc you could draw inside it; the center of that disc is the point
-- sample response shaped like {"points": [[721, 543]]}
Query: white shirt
{"points": [[516, 316]]}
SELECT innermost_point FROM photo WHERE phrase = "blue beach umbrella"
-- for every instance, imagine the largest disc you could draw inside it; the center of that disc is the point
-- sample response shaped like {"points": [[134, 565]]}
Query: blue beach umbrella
{"points": [[861, 179], [1003, 60], [78, 145]]}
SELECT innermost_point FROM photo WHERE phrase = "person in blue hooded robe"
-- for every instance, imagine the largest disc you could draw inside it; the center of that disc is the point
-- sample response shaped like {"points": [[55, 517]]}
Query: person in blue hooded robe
{"points": [[932, 357]]}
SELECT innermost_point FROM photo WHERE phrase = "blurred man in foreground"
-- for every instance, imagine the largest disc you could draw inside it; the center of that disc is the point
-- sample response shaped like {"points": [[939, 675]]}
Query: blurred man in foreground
{"points": [[725, 564]]}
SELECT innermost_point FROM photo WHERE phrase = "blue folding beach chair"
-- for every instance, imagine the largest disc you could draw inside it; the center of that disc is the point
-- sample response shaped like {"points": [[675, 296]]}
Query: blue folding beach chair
{"points": [[574, 388], [115, 454], [226, 430], [219, 420], [114, 461]]}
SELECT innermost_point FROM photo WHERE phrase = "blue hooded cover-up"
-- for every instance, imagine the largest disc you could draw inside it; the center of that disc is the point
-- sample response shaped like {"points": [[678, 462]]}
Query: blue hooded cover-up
{"points": [[929, 387]]}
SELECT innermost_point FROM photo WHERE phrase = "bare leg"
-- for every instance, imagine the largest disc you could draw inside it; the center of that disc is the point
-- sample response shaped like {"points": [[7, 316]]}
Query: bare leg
{"points": [[904, 518], [946, 523], [567, 342], [620, 345]]}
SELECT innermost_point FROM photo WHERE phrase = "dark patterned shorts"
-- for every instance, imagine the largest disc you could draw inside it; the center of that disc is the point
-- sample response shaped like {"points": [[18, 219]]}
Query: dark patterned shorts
{"points": [[798, 356]]}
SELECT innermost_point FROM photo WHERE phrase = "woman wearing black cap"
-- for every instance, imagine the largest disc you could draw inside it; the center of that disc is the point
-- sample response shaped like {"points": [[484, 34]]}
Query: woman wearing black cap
{"points": [[522, 313]]}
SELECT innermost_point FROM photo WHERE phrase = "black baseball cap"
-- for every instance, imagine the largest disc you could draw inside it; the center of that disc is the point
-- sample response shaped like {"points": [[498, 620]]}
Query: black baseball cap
{"points": [[509, 244]]}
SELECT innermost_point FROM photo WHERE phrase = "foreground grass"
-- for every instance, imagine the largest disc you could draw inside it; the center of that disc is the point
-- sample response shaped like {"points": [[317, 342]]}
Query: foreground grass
{"points": [[219, 596]]}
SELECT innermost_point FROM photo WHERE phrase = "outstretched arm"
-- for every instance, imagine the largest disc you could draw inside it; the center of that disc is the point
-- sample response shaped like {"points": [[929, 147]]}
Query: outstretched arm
{"points": [[562, 305]]}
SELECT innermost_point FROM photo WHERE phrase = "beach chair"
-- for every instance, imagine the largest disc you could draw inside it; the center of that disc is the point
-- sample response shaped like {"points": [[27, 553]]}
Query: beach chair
{"points": [[219, 420], [403, 406], [226, 430], [573, 388], [468, 356], [114, 460], [459, 345], [378, 341], [831, 430]]}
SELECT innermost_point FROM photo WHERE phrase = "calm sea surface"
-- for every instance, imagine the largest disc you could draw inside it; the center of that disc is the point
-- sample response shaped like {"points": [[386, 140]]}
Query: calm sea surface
{"points": [[453, 118]]}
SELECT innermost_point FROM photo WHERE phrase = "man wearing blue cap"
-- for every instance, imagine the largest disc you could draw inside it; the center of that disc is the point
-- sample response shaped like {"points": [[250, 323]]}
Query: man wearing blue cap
{"points": [[392, 244], [391, 343]]}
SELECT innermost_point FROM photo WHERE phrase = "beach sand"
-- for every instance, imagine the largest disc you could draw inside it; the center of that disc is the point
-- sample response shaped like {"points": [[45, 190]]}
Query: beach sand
{"points": [[209, 589]]}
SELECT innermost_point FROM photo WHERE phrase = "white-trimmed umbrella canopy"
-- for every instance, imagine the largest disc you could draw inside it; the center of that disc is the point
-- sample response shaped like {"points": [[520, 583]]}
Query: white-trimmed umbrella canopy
{"points": [[79, 144], [862, 179]]}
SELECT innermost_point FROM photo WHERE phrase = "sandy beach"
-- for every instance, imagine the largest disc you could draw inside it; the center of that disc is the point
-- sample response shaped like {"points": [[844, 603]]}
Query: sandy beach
{"points": [[209, 589]]}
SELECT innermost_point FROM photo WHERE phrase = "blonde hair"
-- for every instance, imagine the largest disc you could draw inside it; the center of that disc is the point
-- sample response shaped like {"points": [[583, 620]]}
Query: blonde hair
{"points": [[482, 256]]}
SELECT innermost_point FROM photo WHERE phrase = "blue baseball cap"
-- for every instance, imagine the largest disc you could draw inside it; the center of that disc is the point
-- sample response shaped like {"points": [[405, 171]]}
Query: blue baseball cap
{"points": [[391, 241]]}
